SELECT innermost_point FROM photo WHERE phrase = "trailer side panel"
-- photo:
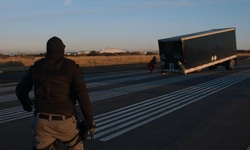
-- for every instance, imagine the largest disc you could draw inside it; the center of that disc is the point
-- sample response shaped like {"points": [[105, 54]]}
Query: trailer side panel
{"points": [[197, 49], [206, 49]]}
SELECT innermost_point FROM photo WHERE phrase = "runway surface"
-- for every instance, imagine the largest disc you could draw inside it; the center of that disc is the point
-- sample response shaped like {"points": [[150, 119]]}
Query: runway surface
{"points": [[137, 110]]}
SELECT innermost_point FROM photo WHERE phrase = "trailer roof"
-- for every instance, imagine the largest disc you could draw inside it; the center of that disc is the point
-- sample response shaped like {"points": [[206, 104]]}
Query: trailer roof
{"points": [[197, 34]]}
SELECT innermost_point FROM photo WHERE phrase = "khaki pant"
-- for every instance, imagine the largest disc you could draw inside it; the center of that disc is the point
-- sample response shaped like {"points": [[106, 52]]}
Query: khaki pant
{"points": [[47, 131]]}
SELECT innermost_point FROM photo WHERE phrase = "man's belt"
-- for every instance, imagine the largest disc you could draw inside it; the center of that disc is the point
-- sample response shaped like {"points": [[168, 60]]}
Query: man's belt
{"points": [[53, 117]]}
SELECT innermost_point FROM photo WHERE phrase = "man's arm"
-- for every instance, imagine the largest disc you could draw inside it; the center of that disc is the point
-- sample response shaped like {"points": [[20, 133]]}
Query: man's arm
{"points": [[82, 96], [22, 90]]}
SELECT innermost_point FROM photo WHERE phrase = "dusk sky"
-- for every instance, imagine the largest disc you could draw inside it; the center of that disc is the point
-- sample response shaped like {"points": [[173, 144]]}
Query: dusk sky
{"points": [[25, 26]]}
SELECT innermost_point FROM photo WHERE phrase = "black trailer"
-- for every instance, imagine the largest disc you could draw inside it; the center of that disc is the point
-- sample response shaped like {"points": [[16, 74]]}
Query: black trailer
{"points": [[194, 52]]}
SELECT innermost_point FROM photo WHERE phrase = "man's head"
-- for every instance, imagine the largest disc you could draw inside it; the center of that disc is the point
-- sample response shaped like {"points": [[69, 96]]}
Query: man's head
{"points": [[55, 48]]}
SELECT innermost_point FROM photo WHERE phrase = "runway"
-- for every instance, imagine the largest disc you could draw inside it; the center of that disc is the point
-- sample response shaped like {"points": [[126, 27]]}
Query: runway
{"points": [[129, 102]]}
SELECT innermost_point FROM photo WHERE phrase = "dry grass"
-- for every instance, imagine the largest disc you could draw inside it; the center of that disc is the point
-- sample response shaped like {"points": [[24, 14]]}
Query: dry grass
{"points": [[17, 61], [111, 60], [89, 61], [243, 54], [83, 61]]}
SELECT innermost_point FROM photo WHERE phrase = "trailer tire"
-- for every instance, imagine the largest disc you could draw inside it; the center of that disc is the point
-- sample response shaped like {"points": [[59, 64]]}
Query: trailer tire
{"points": [[230, 64]]}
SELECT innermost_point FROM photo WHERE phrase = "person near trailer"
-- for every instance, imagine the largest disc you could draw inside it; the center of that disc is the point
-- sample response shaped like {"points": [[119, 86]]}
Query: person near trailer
{"points": [[54, 78], [163, 63], [151, 64]]}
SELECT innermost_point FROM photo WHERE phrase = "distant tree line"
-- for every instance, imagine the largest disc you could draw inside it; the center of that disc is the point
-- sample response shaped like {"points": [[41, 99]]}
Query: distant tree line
{"points": [[97, 53], [91, 53]]}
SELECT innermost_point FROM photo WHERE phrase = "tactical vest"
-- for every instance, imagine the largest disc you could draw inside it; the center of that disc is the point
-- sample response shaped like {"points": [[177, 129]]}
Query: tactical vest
{"points": [[52, 86]]}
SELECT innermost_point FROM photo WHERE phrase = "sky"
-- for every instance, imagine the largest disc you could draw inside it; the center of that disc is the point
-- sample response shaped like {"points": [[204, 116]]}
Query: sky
{"points": [[85, 25]]}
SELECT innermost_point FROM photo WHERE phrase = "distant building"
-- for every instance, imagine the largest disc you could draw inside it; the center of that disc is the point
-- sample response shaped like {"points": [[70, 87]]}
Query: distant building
{"points": [[72, 53], [112, 51], [83, 52]]}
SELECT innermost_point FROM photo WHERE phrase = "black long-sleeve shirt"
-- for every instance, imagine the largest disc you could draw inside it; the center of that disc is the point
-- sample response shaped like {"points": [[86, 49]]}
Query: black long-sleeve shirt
{"points": [[54, 82]]}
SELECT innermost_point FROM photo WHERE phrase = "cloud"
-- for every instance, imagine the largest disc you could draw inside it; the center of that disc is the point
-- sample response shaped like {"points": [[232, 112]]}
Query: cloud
{"points": [[67, 2]]}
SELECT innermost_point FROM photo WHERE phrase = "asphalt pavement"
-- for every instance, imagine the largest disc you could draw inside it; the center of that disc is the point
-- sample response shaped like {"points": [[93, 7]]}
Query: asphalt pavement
{"points": [[207, 110]]}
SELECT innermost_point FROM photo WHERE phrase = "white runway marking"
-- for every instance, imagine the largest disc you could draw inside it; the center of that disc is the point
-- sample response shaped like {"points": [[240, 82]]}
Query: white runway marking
{"points": [[120, 121]]}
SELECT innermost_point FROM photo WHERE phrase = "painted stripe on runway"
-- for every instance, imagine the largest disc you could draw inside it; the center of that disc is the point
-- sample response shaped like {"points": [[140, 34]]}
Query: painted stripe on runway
{"points": [[109, 93], [12, 97], [121, 80], [94, 96], [120, 74], [8, 87], [120, 121]]}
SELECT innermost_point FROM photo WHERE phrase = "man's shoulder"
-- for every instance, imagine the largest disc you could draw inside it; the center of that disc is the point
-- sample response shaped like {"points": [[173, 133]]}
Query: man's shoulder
{"points": [[39, 61], [70, 62]]}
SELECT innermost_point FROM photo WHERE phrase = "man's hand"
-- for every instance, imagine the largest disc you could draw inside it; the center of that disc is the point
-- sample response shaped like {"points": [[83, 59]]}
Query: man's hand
{"points": [[92, 132], [92, 129]]}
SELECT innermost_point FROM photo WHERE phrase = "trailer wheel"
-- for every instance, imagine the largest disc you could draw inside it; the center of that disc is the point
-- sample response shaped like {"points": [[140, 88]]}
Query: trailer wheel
{"points": [[230, 64]]}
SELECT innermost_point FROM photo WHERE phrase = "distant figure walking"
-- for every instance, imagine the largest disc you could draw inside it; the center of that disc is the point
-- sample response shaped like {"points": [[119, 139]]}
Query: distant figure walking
{"points": [[151, 64], [163, 62]]}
